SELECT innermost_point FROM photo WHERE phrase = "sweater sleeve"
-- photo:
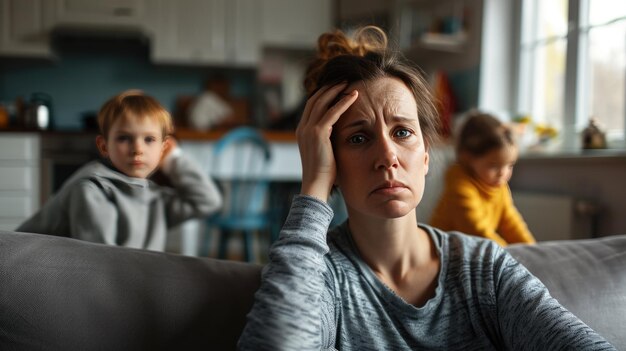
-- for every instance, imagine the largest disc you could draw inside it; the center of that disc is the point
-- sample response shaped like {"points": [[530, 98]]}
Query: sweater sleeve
{"points": [[92, 217], [194, 194], [466, 211], [512, 226], [293, 309], [530, 319]]}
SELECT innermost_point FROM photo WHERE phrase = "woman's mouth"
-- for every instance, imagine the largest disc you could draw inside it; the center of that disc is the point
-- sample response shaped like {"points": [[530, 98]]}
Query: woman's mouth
{"points": [[390, 188]]}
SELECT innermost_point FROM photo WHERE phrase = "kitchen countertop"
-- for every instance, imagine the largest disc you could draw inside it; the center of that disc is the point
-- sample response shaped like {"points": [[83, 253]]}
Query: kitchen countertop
{"points": [[180, 134]]}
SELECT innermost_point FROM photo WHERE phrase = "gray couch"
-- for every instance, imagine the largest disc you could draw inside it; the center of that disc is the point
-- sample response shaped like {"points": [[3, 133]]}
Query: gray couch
{"points": [[63, 294]]}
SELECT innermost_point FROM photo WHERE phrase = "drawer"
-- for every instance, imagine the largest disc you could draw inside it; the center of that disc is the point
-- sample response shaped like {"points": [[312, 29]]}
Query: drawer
{"points": [[17, 178], [15, 206], [19, 147]]}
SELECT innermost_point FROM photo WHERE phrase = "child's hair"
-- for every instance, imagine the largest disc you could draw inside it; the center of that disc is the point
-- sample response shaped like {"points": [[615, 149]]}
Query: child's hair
{"points": [[133, 103], [482, 133], [365, 57]]}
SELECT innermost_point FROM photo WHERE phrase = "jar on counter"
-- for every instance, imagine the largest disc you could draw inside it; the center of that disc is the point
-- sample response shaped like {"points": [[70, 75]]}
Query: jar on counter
{"points": [[8, 113], [593, 137], [4, 117]]}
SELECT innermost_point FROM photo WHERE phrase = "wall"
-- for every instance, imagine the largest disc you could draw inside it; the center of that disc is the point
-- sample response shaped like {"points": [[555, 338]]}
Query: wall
{"points": [[599, 179], [500, 31], [85, 75]]}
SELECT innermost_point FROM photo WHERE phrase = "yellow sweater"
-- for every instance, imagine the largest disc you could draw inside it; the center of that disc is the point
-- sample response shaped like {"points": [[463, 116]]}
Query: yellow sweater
{"points": [[468, 205]]}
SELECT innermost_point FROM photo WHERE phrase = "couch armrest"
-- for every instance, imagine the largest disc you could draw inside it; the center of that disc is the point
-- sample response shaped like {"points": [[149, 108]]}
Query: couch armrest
{"points": [[588, 277], [64, 294]]}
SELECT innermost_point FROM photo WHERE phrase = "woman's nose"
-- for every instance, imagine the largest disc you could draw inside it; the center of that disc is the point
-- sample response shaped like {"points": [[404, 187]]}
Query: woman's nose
{"points": [[387, 156]]}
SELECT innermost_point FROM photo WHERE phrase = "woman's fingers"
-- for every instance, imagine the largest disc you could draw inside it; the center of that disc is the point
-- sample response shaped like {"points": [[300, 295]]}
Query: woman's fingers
{"points": [[334, 113], [318, 103], [314, 132], [324, 102]]}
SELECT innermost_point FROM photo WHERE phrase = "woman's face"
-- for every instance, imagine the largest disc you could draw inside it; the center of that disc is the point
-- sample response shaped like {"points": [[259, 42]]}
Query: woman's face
{"points": [[380, 152]]}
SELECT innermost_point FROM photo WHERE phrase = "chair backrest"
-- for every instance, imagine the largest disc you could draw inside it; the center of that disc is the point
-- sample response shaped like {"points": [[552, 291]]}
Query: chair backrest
{"points": [[244, 155]]}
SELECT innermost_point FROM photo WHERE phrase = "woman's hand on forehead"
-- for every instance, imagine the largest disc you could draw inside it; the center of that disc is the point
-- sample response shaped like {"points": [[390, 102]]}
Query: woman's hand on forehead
{"points": [[321, 112]]}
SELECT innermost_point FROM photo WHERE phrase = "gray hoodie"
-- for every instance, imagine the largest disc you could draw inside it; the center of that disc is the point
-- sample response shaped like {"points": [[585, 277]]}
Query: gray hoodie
{"points": [[102, 205]]}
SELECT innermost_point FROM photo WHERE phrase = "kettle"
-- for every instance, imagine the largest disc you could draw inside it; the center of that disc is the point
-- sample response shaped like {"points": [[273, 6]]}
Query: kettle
{"points": [[39, 112]]}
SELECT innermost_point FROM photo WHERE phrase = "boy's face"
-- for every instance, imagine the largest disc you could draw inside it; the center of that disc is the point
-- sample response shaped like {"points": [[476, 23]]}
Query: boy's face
{"points": [[134, 146]]}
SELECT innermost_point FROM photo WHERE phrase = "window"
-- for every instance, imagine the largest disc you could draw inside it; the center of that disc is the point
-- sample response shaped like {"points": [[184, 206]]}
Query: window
{"points": [[573, 65]]}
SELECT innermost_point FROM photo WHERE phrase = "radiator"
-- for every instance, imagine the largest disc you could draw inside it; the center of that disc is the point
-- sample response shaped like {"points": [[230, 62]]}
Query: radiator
{"points": [[556, 217]]}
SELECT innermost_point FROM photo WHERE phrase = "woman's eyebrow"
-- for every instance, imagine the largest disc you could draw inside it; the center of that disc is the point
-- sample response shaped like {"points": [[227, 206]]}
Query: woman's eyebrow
{"points": [[399, 118], [402, 118]]}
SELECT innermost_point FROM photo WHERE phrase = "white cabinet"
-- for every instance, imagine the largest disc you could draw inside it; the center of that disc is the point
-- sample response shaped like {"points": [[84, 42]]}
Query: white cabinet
{"points": [[205, 31], [26, 25], [202, 32], [232, 32], [19, 178], [442, 35], [246, 37], [97, 13], [295, 23], [24, 28]]}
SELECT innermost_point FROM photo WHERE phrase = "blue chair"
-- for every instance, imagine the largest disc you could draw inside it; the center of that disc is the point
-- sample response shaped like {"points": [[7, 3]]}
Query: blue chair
{"points": [[243, 156]]}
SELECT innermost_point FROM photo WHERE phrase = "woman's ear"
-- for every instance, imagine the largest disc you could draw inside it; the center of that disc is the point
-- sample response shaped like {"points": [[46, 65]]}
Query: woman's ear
{"points": [[101, 143], [426, 162]]}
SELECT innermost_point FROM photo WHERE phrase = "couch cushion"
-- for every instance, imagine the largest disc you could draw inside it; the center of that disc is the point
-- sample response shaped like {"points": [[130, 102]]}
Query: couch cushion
{"points": [[64, 294], [588, 277]]}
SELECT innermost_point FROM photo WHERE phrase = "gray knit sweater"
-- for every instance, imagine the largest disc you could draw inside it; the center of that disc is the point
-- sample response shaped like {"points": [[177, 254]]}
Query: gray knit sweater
{"points": [[102, 205], [317, 293]]}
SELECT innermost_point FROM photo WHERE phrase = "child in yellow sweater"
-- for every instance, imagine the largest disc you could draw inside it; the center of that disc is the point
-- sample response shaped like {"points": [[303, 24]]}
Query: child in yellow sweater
{"points": [[476, 199]]}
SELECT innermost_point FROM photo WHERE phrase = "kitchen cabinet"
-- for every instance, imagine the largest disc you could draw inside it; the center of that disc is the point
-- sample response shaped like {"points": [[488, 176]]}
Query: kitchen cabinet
{"points": [[205, 32], [246, 38], [19, 178], [24, 28], [185, 32], [295, 23], [440, 35], [85, 14]]}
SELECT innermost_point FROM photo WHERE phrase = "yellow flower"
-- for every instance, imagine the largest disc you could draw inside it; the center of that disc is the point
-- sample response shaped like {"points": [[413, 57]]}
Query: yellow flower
{"points": [[545, 131], [523, 119]]}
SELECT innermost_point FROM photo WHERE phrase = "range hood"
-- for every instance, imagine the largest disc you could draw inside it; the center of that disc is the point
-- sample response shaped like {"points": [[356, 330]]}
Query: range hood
{"points": [[98, 38]]}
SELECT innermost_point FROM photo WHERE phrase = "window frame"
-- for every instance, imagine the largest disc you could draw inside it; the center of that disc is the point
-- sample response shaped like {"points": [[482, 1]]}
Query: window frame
{"points": [[576, 92]]}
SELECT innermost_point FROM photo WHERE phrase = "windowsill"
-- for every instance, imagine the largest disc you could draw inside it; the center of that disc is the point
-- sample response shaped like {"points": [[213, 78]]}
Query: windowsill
{"points": [[573, 154]]}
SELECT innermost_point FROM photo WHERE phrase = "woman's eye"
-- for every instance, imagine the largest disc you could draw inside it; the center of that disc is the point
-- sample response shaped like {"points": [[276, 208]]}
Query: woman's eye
{"points": [[150, 140], [357, 139], [403, 133]]}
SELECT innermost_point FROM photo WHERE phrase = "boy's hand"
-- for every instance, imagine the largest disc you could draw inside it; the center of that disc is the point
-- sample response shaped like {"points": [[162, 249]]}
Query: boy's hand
{"points": [[159, 176], [169, 145]]}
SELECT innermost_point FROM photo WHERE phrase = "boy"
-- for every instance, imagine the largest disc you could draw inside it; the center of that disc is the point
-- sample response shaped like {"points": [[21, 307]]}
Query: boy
{"points": [[112, 201]]}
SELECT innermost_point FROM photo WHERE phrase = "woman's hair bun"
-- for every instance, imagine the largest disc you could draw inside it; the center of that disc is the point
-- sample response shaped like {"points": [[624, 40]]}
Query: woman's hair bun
{"points": [[362, 41]]}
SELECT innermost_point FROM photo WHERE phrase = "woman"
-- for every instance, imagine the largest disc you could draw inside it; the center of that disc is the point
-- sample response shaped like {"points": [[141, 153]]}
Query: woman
{"points": [[381, 281]]}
